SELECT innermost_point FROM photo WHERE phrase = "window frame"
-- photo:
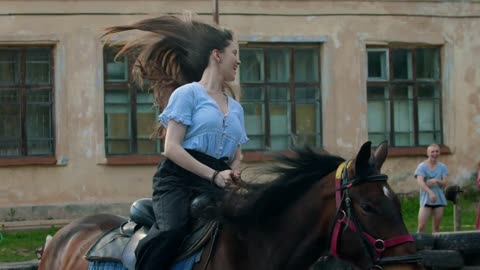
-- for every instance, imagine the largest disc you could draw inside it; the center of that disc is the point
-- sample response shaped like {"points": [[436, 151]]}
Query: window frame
{"points": [[391, 83], [23, 86], [132, 158], [253, 155]]}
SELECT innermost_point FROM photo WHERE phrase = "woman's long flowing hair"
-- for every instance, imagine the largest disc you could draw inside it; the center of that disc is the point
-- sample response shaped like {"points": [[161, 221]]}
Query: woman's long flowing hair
{"points": [[174, 51]]}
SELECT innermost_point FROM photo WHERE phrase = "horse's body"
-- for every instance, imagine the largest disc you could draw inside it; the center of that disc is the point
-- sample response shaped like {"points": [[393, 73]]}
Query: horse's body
{"points": [[283, 225]]}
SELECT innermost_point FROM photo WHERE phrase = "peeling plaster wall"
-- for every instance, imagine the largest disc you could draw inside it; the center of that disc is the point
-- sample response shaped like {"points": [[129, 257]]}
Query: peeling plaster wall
{"points": [[344, 27]]}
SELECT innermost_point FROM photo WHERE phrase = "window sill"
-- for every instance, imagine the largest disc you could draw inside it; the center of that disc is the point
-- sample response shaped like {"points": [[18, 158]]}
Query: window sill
{"points": [[135, 160], [415, 151], [263, 156], [24, 161]]}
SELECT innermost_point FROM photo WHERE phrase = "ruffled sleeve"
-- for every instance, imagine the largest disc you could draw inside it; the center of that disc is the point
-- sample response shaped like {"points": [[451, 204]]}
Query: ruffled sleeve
{"points": [[180, 107]]}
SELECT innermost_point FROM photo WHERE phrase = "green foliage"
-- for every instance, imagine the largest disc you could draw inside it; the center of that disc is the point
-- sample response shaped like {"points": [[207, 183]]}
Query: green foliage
{"points": [[20, 245], [468, 203]]}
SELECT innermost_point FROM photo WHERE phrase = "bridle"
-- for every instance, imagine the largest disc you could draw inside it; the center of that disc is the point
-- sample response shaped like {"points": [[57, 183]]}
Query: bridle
{"points": [[346, 218]]}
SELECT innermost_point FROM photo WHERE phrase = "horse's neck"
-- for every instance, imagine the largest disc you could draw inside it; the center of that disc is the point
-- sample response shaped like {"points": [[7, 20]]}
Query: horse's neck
{"points": [[295, 239]]}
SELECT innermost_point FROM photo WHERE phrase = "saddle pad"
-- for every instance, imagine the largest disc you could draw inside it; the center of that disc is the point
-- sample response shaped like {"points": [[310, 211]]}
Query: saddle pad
{"points": [[109, 247], [185, 264]]}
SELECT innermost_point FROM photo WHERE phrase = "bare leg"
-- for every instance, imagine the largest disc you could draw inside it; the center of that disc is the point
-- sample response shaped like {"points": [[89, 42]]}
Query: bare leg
{"points": [[423, 214], [437, 218]]}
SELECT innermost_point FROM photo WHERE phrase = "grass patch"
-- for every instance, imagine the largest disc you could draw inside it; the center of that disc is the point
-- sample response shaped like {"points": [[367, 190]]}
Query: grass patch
{"points": [[16, 246], [468, 212], [20, 245]]}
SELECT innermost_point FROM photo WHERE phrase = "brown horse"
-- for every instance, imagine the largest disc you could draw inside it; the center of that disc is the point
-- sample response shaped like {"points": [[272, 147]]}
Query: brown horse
{"points": [[286, 224]]}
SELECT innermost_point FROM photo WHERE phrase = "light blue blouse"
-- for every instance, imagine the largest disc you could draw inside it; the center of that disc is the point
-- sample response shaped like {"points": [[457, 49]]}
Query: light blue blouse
{"points": [[208, 130], [439, 172]]}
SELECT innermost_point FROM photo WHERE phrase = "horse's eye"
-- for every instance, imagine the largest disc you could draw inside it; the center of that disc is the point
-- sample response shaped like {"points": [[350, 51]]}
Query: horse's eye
{"points": [[368, 208]]}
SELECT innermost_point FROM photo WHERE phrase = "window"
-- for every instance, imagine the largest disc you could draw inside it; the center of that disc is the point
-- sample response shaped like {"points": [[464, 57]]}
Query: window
{"points": [[404, 96], [26, 101], [281, 95], [130, 117]]}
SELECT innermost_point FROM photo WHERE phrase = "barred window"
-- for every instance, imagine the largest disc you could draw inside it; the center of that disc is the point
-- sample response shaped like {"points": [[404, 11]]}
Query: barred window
{"points": [[281, 95], [26, 101], [404, 96], [130, 117]]}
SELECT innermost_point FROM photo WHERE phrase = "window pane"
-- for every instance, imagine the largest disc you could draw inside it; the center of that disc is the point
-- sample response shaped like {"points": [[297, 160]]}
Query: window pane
{"points": [[252, 65], [278, 94], [426, 91], [118, 146], [117, 121], [279, 118], [307, 124], [307, 116], [116, 71], [9, 67], [254, 125], [404, 139], [39, 147], [148, 146], [10, 148], [254, 110], [427, 63], [377, 61], [427, 138], [39, 123], [278, 65], [39, 97], [306, 65], [10, 123], [429, 115], [306, 94], [252, 94], [378, 114], [403, 116], [38, 66], [146, 124], [402, 64]]}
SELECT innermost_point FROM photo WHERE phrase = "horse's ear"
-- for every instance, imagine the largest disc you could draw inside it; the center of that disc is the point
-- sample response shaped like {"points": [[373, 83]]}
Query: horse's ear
{"points": [[381, 154], [363, 156]]}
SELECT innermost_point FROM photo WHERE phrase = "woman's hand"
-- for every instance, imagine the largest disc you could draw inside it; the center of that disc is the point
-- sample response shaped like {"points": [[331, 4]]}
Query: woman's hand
{"points": [[223, 179], [236, 176], [433, 197]]}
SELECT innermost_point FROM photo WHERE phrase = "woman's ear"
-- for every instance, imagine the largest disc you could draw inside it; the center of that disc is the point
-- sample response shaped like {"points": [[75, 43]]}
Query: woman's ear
{"points": [[216, 56]]}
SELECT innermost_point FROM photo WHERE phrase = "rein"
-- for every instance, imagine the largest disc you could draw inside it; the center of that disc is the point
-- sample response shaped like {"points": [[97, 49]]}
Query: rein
{"points": [[373, 247]]}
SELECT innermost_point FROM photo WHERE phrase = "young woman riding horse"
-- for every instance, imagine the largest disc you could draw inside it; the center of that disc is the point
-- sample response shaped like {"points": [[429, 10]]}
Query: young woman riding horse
{"points": [[286, 224]]}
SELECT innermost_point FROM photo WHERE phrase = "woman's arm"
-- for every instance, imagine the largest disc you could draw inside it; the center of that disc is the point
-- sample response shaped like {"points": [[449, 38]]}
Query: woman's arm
{"points": [[175, 152], [237, 159]]}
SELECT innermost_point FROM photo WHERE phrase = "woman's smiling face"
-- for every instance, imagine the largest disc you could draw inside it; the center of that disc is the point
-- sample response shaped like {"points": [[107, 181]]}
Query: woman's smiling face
{"points": [[229, 62]]}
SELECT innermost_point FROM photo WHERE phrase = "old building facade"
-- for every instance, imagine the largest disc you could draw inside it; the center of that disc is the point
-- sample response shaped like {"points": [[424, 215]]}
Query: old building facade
{"points": [[330, 74]]}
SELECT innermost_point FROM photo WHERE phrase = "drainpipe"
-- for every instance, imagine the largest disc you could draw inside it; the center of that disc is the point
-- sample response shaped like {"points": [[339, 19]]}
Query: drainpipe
{"points": [[215, 11]]}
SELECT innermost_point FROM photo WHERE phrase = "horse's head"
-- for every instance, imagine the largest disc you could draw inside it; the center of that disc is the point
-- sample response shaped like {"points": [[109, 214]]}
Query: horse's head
{"points": [[369, 231]]}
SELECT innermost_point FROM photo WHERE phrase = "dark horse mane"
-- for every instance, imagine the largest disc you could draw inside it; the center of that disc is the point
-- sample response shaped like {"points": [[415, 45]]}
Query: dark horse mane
{"points": [[256, 203]]}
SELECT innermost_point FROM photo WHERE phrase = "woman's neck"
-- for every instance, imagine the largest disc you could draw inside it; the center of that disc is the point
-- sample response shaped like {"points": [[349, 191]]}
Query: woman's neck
{"points": [[212, 81]]}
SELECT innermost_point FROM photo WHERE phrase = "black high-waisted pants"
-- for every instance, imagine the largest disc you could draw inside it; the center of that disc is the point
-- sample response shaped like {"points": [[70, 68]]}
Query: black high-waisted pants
{"points": [[173, 190]]}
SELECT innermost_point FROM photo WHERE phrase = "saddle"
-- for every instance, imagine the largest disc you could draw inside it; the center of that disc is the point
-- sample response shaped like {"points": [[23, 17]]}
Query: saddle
{"points": [[119, 244]]}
